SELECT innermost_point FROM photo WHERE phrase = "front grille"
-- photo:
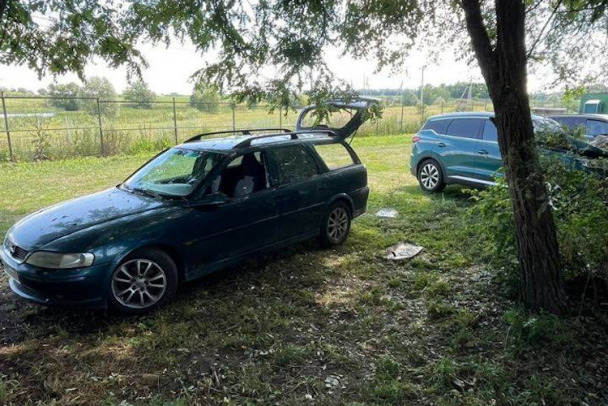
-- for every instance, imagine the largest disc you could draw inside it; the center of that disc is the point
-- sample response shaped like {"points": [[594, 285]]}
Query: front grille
{"points": [[19, 253]]}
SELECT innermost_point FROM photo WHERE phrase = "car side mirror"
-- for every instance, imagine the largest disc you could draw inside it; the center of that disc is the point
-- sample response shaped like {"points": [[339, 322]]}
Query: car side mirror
{"points": [[211, 201]]}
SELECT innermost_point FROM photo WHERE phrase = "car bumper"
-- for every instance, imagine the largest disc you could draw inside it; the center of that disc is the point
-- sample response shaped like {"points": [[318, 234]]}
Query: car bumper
{"points": [[83, 287]]}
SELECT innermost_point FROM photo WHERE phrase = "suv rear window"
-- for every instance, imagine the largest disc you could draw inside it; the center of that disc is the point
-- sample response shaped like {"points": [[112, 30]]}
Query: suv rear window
{"points": [[439, 126], [334, 155], [464, 127]]}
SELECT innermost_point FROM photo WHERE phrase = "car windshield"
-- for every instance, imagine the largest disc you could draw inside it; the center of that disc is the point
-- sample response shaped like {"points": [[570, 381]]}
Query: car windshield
{"points": [[175, 172]]}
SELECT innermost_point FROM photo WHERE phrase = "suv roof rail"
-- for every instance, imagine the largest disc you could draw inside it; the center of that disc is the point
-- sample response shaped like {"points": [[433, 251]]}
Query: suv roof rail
{"points": [[246, 131], [294, 135]]}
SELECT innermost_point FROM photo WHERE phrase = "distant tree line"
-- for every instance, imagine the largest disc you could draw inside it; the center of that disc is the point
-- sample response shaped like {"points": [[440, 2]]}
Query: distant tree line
{"points": [[72, 97], [207, 98], [433, 94]]}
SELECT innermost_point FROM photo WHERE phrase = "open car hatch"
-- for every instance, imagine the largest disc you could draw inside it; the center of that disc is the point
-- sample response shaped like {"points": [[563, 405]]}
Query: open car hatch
{"points": [[343, 118]]}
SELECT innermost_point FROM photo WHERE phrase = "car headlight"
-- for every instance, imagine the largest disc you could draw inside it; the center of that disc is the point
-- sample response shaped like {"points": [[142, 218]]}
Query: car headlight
{"points": [[57, 260]]}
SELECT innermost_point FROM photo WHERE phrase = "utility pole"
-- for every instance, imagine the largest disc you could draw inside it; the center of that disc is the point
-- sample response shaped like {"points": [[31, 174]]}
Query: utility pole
{"points": [[422, 93]]}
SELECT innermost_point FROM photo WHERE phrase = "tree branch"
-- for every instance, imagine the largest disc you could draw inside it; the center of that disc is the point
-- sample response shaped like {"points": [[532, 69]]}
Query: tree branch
{"points": [[4, 8], [479, 35], [542, 31]]}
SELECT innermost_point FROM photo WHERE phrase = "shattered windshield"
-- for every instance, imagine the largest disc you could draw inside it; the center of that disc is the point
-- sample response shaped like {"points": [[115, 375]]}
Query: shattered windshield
{"points": [[176, 172]]}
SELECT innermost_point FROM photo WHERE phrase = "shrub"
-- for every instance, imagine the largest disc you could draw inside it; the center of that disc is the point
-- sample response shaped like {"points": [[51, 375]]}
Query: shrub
{"points": [[578, 200], [205, 98], [100, 88], [140, 94], [64, 96]]}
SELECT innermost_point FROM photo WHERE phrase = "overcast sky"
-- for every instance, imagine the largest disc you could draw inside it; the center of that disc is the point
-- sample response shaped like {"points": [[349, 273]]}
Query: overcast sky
{"points": [[170, 70]]}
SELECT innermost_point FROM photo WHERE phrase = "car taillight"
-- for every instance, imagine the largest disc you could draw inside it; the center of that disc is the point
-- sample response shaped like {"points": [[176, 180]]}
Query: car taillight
{"points": [[416, 138]]}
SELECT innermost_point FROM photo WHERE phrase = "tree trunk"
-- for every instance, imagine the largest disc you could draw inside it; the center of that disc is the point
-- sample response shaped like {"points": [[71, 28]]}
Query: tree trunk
{"points": [[504, 67]]}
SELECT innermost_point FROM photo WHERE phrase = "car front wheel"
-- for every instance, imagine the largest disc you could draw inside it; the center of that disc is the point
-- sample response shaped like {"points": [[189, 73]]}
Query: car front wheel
{"points": [[430, 176], [144, 281], [336, 224]]}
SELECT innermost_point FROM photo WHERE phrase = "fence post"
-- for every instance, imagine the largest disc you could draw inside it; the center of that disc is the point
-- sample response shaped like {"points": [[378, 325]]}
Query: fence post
{"points": [[100, 127], [442, 107], [175, 120], [280, 117], [485, 105], [233, 118], [8, 133], [401, 120]]}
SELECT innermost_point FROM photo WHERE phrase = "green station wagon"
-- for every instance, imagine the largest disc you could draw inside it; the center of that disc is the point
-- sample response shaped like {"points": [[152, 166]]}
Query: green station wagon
{"points": [[191, 210]]}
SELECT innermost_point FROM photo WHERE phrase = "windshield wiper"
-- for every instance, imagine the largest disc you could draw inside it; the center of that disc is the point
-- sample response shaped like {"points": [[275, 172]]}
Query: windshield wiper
{"points": [[140, 191], [148, 193]]}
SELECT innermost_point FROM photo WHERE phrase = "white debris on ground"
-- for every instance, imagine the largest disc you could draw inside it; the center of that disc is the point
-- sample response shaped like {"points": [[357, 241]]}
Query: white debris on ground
{"points": [[387, 212], [402, 251]]}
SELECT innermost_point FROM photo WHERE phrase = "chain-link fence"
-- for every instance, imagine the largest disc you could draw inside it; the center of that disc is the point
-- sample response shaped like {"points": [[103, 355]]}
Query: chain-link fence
{"points": [[39, 127]]}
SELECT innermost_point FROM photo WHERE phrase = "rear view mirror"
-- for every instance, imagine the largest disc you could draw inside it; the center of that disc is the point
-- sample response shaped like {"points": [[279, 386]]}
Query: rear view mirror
{"points": [[211, 201]]}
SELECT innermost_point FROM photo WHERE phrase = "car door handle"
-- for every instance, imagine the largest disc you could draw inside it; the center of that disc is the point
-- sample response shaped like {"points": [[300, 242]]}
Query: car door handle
{"points": [[482, 152], [441, 144]]}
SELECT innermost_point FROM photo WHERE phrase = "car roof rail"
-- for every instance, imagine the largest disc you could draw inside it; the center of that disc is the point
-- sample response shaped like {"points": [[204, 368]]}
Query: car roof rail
{"points": [[245, 131], [294, 135]]}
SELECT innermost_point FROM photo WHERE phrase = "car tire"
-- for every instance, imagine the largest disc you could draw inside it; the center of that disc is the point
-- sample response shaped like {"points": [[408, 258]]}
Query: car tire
{"points": [[336, 224], [430, 176], [143, 282]]}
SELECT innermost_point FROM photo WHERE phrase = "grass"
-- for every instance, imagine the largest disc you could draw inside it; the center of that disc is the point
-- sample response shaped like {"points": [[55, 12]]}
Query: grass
{"points": [[305, 325]]}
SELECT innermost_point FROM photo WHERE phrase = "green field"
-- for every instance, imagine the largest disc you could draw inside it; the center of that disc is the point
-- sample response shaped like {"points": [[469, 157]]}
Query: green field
{"points": [[305, 325], [132, 130]]}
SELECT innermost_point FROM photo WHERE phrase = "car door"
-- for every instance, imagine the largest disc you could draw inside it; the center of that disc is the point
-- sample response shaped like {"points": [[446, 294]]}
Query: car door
{"points": [[458, 148], [489, 159], [246, 222], [295, 172]]}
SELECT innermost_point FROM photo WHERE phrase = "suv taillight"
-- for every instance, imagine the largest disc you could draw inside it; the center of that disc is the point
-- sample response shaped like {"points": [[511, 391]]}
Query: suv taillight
{"points": [[416, 138]]}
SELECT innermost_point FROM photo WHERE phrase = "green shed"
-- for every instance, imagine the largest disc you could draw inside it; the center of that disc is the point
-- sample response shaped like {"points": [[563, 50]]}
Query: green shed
{"points": [[594, 103]]}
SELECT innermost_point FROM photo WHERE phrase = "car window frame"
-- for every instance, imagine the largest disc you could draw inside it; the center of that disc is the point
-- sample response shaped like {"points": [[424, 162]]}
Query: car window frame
{"points": [[587, 120], [479, 128], [483, 127], [448, 120], [274, 170], [222, 166], [321, 162]]}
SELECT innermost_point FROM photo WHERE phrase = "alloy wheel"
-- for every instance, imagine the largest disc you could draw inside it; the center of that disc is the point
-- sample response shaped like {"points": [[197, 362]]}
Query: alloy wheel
{"points": [[337, 223], [139, 283], [429, 176]]}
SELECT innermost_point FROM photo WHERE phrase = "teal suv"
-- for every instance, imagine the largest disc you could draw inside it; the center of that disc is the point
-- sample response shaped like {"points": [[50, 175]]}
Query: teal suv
{"points": [[463, 148], [193, 209]]}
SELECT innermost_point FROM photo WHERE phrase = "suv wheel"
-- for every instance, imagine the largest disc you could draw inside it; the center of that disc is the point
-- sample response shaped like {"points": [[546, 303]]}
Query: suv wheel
{"points": [[144, 281], [430, 176], [336, 224]]}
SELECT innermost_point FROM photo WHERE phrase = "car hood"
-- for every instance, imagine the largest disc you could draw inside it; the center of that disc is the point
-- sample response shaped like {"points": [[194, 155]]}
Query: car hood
{"points": [[60, 220]]}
